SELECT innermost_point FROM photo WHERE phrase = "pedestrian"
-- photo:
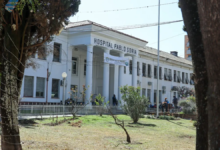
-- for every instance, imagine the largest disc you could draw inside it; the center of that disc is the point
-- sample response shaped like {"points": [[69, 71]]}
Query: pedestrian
{"points": [[175, 102], [114, 100], [165, 104]]}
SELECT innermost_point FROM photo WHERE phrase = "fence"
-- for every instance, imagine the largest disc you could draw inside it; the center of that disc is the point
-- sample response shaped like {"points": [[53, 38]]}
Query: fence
{"points": [[39, 110]]}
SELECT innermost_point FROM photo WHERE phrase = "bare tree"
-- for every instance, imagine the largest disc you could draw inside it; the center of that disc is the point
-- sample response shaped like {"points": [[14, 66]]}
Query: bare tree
{"points": [[120, 124]]}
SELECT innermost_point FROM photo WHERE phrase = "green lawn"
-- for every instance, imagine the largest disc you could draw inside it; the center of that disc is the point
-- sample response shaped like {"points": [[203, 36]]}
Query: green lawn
{"points": [[97, 133]]}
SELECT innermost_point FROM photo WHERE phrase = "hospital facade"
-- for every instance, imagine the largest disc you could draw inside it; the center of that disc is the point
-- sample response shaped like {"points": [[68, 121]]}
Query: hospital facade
{"points": [[102, 60]]}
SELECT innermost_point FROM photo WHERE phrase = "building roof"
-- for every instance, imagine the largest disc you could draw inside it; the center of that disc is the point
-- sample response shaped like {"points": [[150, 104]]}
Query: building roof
{"points": [[88, 22], [153, 51]]}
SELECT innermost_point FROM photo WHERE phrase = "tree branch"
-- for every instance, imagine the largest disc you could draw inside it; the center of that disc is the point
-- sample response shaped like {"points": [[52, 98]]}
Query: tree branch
{"points": [[35, 45]]}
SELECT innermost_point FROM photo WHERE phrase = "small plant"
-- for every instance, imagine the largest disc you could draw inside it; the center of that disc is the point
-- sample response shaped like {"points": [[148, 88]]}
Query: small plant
{"points": [[99, 101], [195, 123], [188, 105]]}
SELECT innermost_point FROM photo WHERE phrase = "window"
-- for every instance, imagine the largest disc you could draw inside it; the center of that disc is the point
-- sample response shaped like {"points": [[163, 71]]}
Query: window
{"points": [[174, 75], [149, 94], [183, 77], [149, 73], [55, 88], [155, 72], [124, 69], [130, 67], [40, 87], [144, 69], [28, 86], [165, 74], [33, 55], [74, 66], [187, 80], [178, 77], [143, 92], [155, 96], [138, 69], [187, 44], [160, 96], [189, 56], [84, 67], [160, 73], [56, 52], [42, 53], [170, 75]]}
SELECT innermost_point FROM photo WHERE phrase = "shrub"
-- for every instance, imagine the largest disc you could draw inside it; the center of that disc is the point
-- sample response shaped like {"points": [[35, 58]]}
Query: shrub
{"points": [[134, 104], [166, 117], [188, 105]]}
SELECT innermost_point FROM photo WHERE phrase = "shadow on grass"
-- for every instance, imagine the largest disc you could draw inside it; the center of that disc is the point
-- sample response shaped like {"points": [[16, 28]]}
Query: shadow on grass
{"points": [[142, 124], [126, 143], [179, 124], [28, 123]]}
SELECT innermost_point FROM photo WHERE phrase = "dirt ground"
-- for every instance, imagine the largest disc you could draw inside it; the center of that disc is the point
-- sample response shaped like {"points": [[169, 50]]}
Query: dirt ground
{"points": [[100, 133]]}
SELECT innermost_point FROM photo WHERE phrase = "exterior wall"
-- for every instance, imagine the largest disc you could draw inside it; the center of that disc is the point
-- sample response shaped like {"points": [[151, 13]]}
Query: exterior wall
{"points": [[75, 45]]}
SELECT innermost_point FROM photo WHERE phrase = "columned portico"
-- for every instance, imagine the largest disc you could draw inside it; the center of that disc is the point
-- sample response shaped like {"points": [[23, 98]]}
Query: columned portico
{"points": [[106, 78], [89, 64], [116, 81], [134, 71], [120, 83]]}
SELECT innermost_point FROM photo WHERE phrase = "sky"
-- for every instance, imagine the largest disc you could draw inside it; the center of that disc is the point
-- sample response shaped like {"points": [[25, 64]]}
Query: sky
{"points": [[171, 35]]}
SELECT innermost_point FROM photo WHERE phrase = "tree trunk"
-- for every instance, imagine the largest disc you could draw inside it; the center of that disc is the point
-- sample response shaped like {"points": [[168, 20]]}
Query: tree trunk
{"points": [[191, 20], [128, 136], [209, 21], [10, 90]]}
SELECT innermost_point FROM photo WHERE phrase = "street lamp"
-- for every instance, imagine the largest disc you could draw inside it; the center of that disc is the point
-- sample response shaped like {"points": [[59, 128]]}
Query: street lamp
{"points": [[64, 75]]}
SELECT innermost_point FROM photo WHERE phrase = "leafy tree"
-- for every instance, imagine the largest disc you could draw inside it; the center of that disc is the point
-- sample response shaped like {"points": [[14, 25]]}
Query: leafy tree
{"points": [[23, 30], [191, 19], [135, 105]]}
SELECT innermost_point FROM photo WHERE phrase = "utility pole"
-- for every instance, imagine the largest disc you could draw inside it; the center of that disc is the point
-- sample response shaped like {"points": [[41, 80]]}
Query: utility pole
{"points": [[158, 59]]}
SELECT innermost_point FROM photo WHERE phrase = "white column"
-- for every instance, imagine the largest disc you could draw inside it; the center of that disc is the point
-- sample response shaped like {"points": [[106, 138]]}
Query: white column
{"points": [[106, 79], [89, 60], [120, 83], [140, 76], [115, 82], [134, 71]]}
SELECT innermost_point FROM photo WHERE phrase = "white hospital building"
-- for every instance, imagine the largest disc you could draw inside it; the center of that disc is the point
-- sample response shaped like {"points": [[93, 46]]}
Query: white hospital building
{"points": [[103, 60]]}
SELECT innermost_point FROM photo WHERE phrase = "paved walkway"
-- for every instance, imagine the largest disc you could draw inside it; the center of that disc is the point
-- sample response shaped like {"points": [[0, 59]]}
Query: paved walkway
{"points": [[36, 117]]}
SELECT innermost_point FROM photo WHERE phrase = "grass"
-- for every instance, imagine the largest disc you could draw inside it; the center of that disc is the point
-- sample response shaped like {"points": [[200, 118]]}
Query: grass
{"points": [[97, 133]]}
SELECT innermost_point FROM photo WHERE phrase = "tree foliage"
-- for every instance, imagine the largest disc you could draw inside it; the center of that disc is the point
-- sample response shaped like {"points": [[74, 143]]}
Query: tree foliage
{"points": [[22, 32], [134, 104]]}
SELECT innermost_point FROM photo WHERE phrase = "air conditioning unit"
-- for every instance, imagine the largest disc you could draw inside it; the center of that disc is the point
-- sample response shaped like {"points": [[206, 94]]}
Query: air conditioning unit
{"points": [[138, 82]]}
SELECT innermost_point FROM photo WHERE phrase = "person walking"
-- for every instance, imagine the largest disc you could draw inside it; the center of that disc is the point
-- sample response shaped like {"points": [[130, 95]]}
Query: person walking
{"points": [[175, 102], [114, 100]]}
